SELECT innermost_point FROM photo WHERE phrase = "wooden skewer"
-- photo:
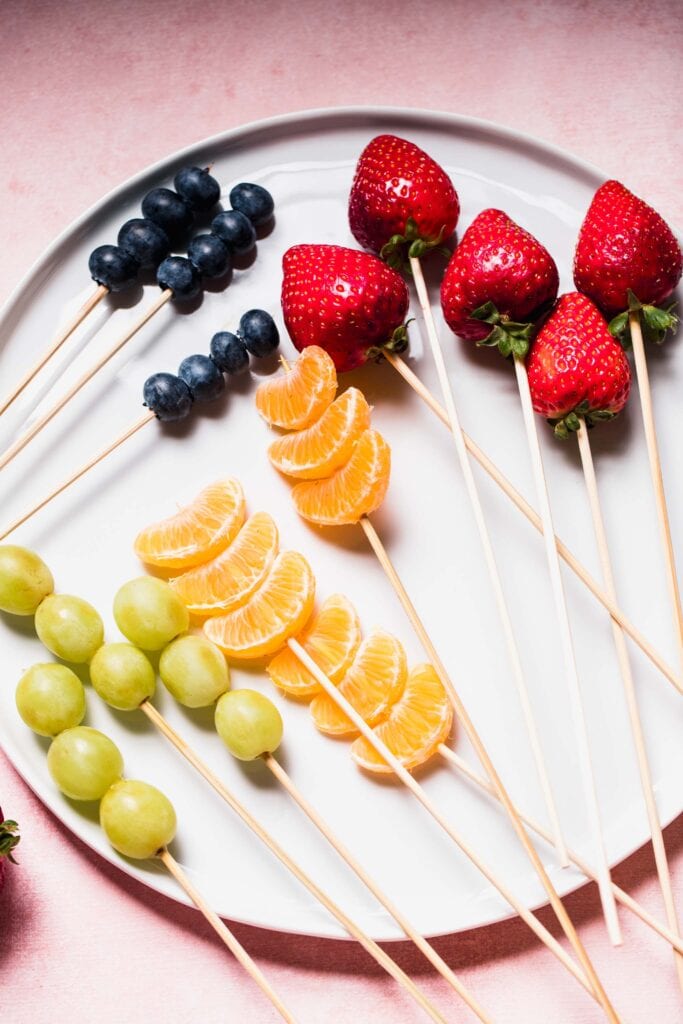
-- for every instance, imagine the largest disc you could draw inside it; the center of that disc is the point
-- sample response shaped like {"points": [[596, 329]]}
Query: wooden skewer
{"points": [[21, 442], [375, 951], [530, 513], [627, 901], [425, 948], [645, 394], [224, 934], [571, 671], [658, 847], [63, 336], [487, 764], [417, 790], [490, 558]]}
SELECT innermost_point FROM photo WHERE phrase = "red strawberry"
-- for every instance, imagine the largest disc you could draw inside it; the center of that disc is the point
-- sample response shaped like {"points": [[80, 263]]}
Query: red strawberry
{"points": [[400, 199], [498, 279], [8, 841], [624, 247], [346, 301], [575, 366]]}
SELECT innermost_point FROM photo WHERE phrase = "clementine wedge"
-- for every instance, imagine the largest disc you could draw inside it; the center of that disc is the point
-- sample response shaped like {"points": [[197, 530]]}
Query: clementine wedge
{"points": [[353, 491], [299, 397], [327, 445]]}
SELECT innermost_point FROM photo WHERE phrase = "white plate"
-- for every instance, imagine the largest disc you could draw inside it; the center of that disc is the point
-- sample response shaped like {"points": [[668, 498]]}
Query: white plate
{"points": [[86, 537]]}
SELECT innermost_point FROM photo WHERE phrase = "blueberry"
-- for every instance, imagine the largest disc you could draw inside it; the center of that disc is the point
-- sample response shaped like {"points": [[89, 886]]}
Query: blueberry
{"points": [[197, 187], [235, 230], [178, 274], [229, 353], [209, 256], [168, 211], [259, 333], [203, 378], [167, 396], [253, 201], [145, 241], [113, 267]]}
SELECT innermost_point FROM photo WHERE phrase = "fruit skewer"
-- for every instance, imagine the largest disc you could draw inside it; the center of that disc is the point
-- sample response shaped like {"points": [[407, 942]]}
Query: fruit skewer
{"points": [[579, 374]]}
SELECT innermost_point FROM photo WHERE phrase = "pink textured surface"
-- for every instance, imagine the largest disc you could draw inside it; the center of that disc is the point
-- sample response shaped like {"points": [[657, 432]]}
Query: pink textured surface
{"points": [[92, 92]]}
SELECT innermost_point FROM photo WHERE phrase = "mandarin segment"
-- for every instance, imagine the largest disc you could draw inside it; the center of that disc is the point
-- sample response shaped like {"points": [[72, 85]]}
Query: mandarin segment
{"points": [[298, 398], [332, 640], [229, 579], [417, 724], [278, 610], [372, 686], [328, 444], [354, 491], [198, 532]]}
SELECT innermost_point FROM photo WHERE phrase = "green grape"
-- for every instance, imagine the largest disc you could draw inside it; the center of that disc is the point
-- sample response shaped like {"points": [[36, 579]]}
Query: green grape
{"points": [[248, 723], [24, 580], [50, 698], [137, 818], [149, 613], [194, 670], [122, 675], [69, 627], [84, 763]]}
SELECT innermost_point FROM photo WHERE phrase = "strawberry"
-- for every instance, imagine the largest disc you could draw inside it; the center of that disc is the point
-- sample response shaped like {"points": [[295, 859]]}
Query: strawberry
{"points": [[8, 841], [576, 368], [346, 301], [499, 278], [627, 258], [400, 200]]}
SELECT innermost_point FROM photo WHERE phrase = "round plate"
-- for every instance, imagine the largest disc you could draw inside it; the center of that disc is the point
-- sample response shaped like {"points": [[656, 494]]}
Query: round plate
{"points": [[86, 536]]}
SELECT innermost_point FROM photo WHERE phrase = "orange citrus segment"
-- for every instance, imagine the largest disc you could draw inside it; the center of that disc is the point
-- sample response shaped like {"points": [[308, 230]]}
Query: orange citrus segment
{"points": [[229, 579], [355, 490], [279, 609], [332, 639], [196, 533], [372, 685], [299, 397], [326, 445], [417, 724]]}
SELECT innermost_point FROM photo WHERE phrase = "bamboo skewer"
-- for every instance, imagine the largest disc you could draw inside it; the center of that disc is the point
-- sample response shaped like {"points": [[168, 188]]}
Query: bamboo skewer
{"points": [[85, 310], [375, 951], [490, 558], [658, 847], [425, 948], [224, 934], [571, 671], [21, 442], [620, 894]]}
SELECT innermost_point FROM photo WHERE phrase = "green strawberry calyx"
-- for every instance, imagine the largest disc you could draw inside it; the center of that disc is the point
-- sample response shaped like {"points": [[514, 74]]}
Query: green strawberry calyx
{"points": [[397, 343], [655, 322], [8, 839], [571, 421], [508, 337], [410, 245]]}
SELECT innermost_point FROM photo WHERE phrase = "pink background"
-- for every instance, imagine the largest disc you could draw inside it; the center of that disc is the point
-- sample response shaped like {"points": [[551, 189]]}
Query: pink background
{"points": [[92, 92]]}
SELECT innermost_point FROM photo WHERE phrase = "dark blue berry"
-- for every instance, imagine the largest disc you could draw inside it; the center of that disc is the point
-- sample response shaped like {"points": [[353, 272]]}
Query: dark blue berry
{"points": [[259, 333], [229, 353], [253, 201], [197, 187], [168, 210], [145, 241], [209, 256], [167, 396], [113, 267], [178, 274], [203, 378], [235, 230]]}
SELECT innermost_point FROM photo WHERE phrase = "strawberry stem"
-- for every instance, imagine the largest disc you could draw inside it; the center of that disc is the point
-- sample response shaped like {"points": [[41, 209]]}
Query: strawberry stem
{"points": [[508, 337], [656, 322], [400, 249], [8, 839], [570, 422]]}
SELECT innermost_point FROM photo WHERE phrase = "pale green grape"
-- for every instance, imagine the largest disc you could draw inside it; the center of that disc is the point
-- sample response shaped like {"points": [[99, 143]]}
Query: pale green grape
{"points": [[137, 819], [248, 723], [69, 627], [84, 763], [50, 698], [149, 613], [24, 580], [122, 675], [194, 670]]}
